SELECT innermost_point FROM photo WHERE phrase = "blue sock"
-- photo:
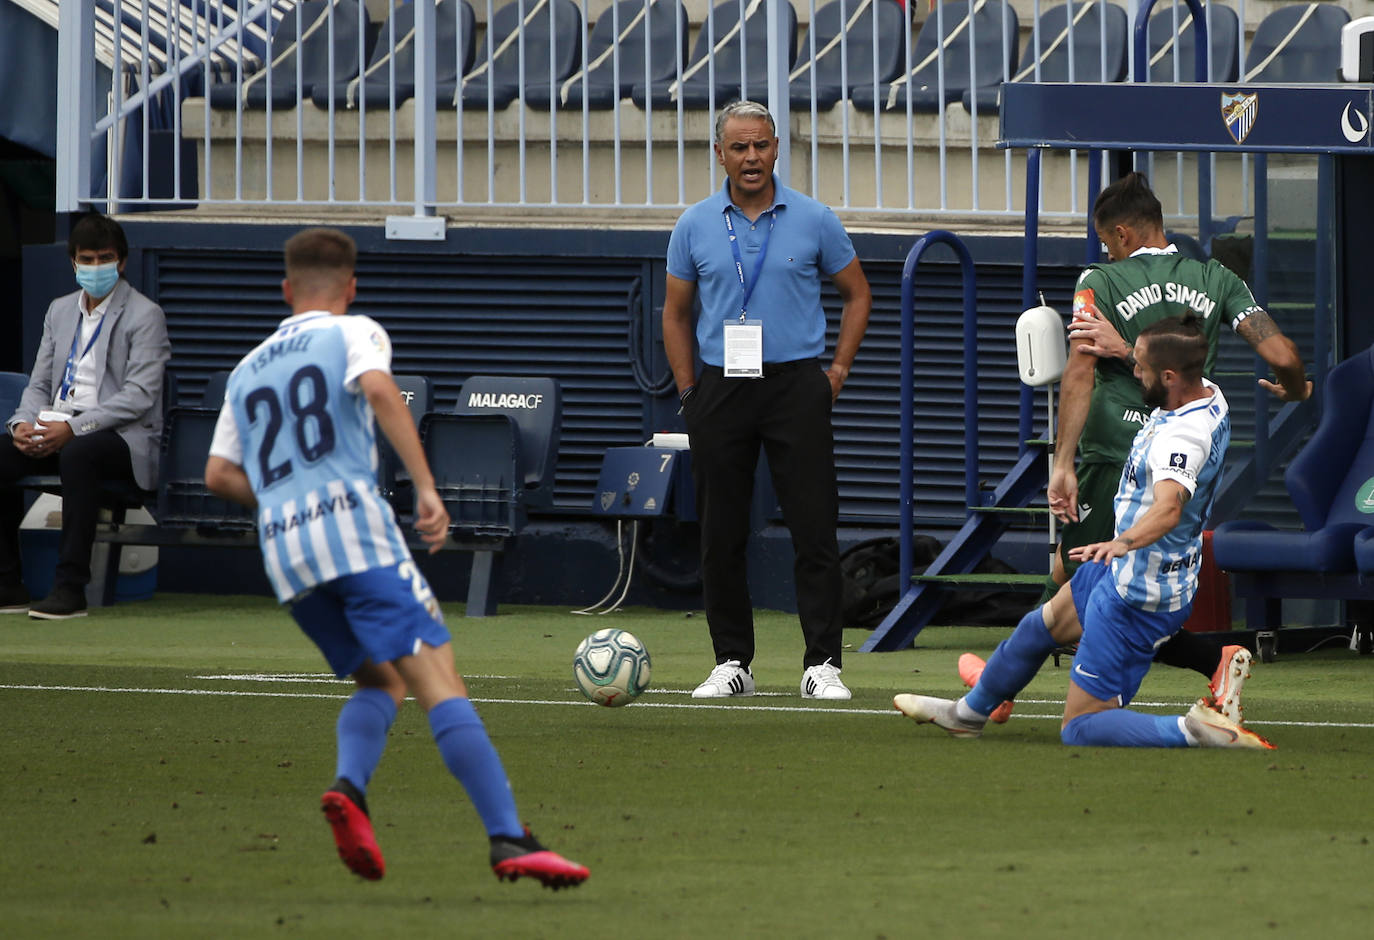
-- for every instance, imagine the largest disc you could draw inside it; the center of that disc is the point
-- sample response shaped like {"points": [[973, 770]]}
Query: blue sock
{"points": [[470, 756], [1013, 664], [1121, 727], [361, 732]]}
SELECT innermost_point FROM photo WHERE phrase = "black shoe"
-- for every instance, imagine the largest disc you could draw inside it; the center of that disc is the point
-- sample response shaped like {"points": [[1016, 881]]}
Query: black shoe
{"points": [[63, 603], [14, 599]]}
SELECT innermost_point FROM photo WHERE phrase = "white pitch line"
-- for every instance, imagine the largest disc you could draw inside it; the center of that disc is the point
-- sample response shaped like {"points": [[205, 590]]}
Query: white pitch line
{"points": [[807, 709]]}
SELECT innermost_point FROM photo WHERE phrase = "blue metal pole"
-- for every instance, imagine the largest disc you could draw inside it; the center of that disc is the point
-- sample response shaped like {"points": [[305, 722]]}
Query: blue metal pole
{"points": [[906, 488], [1259, 284], [1322, 358], [908, 383]]}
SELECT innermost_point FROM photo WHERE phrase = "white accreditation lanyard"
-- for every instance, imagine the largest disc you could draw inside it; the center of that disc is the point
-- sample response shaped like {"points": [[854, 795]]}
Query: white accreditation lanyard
{"points": [[743, 338], [69, 374]]}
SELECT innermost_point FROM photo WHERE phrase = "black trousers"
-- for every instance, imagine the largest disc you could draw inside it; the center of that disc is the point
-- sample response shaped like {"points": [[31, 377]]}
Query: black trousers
{"points": [[788, 412], [84, 463]]}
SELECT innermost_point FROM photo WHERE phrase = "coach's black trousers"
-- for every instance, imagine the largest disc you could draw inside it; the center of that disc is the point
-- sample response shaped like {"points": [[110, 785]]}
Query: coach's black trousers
{"points": [[83, 464], [788, 412]]}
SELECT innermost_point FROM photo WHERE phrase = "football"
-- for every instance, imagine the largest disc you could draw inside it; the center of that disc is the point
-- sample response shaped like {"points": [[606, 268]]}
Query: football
{"points": [[611, 667]]}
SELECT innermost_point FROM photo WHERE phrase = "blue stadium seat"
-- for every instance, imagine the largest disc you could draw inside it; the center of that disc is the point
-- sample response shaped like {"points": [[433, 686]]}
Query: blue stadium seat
{"points": [[1364, 553], [1297, 45], [1166, 44], [455, 48], [12, 385], [326, 45], [215, 385], [1327, 482], [492, 460], [987, 33], [1095, 59], [183, 500], [392, 477], [550, 40], [653, 33], [535, 407], [736, 68], [843, 35]]}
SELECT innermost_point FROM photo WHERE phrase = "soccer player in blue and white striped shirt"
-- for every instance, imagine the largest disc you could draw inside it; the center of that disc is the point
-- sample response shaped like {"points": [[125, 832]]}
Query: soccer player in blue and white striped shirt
{"points": [[295, 442], [1133, 592]]}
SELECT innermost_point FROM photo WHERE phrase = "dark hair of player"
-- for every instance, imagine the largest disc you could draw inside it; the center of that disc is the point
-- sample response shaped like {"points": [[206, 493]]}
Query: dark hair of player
{"points": [[1130, 202], [1177, 343], [320, 260]]}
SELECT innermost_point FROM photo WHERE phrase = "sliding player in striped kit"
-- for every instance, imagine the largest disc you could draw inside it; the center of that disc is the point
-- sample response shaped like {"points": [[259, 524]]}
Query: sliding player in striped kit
{"points": [[295, 442], [1129, 594], [1100, 404]]}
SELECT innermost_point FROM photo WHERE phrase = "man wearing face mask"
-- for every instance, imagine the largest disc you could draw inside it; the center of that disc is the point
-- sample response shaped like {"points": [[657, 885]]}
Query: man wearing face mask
{"points": [[92, 412]]}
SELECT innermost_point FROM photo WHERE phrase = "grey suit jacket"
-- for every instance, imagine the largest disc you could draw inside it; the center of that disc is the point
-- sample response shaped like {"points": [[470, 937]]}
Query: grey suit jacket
{"points": [[130, 356]]}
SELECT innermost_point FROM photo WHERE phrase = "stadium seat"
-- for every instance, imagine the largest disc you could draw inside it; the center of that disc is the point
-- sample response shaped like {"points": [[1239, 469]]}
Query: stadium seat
{"points": [[455, 48], [1166, 43], [549, 38], [12, 385], [392, 477], [115, 497], [983, 30], [653, 34], [535, 406], [728, 62], [1329, 483], [492, 459], [324, 34], [1364, 553], [1094, 59], [183, 500], [215, 384], [1297, 45], [847, 51]]}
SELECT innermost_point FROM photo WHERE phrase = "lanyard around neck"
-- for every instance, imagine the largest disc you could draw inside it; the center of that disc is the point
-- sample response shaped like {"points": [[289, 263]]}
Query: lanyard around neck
{"points": [[69, 374], [747, 287]]}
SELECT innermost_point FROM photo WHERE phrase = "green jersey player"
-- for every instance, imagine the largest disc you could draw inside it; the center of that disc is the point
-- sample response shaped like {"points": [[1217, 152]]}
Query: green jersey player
{"points": [[1101, 404]]}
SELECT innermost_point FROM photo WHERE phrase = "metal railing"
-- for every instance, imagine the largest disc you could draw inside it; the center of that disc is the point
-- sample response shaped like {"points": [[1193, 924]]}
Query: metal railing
{"points": [[179, 126]]}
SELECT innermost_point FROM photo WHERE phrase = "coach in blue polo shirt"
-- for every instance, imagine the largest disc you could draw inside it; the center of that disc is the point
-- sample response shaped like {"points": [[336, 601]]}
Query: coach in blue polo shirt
{"points": [[755, 253]]}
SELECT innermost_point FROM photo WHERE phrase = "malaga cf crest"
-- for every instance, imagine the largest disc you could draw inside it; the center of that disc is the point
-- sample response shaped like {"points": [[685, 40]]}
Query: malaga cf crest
{"points": [[1238, 111]]}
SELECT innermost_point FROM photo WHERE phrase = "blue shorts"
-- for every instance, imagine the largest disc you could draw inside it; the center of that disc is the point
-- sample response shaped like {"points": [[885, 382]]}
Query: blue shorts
{"points": [[378, 615], [1119, 641]]}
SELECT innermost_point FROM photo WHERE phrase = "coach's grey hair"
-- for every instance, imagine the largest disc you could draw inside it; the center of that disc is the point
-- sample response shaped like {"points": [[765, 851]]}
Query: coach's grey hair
{"points": [[743, 109]]}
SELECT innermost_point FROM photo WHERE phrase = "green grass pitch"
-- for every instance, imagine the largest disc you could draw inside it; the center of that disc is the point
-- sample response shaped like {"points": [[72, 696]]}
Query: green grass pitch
{"points": [[162, 765]]}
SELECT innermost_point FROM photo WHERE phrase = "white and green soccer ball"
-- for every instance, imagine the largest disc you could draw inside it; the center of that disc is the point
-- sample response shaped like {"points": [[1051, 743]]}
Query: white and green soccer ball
{"points": [[611, 667]]}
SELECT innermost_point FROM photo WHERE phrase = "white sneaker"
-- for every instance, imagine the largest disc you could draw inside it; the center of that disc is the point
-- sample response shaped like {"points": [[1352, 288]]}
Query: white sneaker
{"points": [[823, 681], [941, 712], [726, 680]]}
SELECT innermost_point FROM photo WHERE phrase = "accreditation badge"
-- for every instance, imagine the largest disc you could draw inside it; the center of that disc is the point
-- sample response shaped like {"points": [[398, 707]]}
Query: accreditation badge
{"points": [[743, 349]]}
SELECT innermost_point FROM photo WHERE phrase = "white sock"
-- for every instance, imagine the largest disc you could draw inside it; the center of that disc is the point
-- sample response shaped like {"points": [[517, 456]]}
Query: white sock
{"points": [[965, 712], [1187, 735]]}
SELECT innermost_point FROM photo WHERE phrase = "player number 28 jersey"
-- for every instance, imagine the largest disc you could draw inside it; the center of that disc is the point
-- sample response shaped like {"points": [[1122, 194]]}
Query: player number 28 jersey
{"points": [[295, 418]]}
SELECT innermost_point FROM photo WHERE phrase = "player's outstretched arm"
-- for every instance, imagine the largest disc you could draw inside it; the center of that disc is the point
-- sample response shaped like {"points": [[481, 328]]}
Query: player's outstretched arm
{"points": [[393, 417], [1159, 520], [1280, 352], [227, 479]]}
